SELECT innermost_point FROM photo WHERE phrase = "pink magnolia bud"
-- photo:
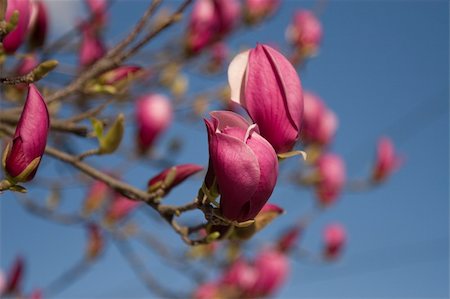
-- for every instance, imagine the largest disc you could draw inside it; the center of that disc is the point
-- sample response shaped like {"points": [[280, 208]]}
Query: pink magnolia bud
{"points": [[278, 107], [289, 238], [91, 46], [327, 128], [208, 290], [30, 138], [27, 64], [14, 39], [386, 160], [305, 32], [240, 276], [118, 74], [153, 115], [15, 277], [120, 207], [95, 241], [256, 10], [272, 268], [97, 195], [38, 24], [331, 171], [179, 172], [2, 282], [334, 238], [98, 9], [244, 163], [210, 20]]}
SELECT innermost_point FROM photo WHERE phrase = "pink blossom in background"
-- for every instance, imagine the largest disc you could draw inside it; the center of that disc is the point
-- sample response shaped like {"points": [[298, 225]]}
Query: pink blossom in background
{"points": [[91, 45], [305, 32], [15, 277], [97, 194], [331, 171], [39, 24], [118, 74], [26, 65], [30, 137], [266, 84], [256, 10], [244, 164], [240, 275], [289, 238], [154, 114], [334, 237], [386, 160], [209, 290], [182, 172], [210, 20], [120, 208], [13, 40]]}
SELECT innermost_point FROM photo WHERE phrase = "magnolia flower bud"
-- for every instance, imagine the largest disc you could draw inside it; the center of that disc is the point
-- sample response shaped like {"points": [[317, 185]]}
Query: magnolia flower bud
{"points": [[208, 290], [289, 238], [38, 25], [98, 9], [272, 269], [264, 82], [305, 32], [15, 277], [14, 39], [91, 46], [97, 195], [26, 65], [120, 208], [331, 171], [244, 164], [257, 10], [210, 20], [153, 116], [173, 176], [386, 160], [334, 238], [117, 75], [23, 155], [240, 276], [95, 241]]}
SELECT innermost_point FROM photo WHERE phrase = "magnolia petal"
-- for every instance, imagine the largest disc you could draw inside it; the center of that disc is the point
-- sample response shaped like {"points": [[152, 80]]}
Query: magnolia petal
{"points": [[236, 76]]}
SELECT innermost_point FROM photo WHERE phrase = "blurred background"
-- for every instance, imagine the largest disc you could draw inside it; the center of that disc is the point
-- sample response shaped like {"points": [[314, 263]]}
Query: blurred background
{"points": [[383, 68]]}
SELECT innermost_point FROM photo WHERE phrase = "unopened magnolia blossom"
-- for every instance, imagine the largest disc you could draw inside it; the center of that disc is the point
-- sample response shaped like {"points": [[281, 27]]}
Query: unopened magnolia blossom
{"points": [[331, 172], [305, 32], [14, 39], [334, 238], [257, 10], [243, 163], [266, 84], [120, 207], [210, 20], [386, 160], [30, 138], [91, 45], [153, 116], [179, 173], [38, 25]]}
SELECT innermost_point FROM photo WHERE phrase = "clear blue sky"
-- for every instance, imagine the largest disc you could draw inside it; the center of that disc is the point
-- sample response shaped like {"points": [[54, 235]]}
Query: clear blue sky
{"points": [[383, 68]]}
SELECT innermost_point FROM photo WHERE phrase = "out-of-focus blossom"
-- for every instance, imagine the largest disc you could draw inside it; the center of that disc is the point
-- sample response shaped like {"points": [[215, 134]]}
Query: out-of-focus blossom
{"points": [[305, 32], [240, 276], [91, 45], [210, 21], [38, 25], [257, 10], [25, 152], [15, 38], [98, 9], [386, 160], [331, 172], [319, 122], [2, 282], [334, 238], [27, 64], [97, 194], [173, 176], [209, 290], [95, 241], [120, 207], [272, 268], [289, 238], [15, 277], [119, 74], [244, 164], [219, 54], [264, 82], [36, 294], [153, 115]]}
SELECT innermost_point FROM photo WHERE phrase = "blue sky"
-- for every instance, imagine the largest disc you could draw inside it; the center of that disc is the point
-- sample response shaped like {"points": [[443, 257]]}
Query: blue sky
{"points": [[383, 68]]}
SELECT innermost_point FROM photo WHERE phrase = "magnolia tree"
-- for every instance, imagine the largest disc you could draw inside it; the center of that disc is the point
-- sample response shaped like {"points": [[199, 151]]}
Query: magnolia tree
{"points": [[258, 120]]}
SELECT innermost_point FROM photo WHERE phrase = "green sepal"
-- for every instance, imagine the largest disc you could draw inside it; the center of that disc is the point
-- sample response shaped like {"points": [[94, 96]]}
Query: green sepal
{"points": [[111, 140], [292, 154], [23, 176], [97, 126]]}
